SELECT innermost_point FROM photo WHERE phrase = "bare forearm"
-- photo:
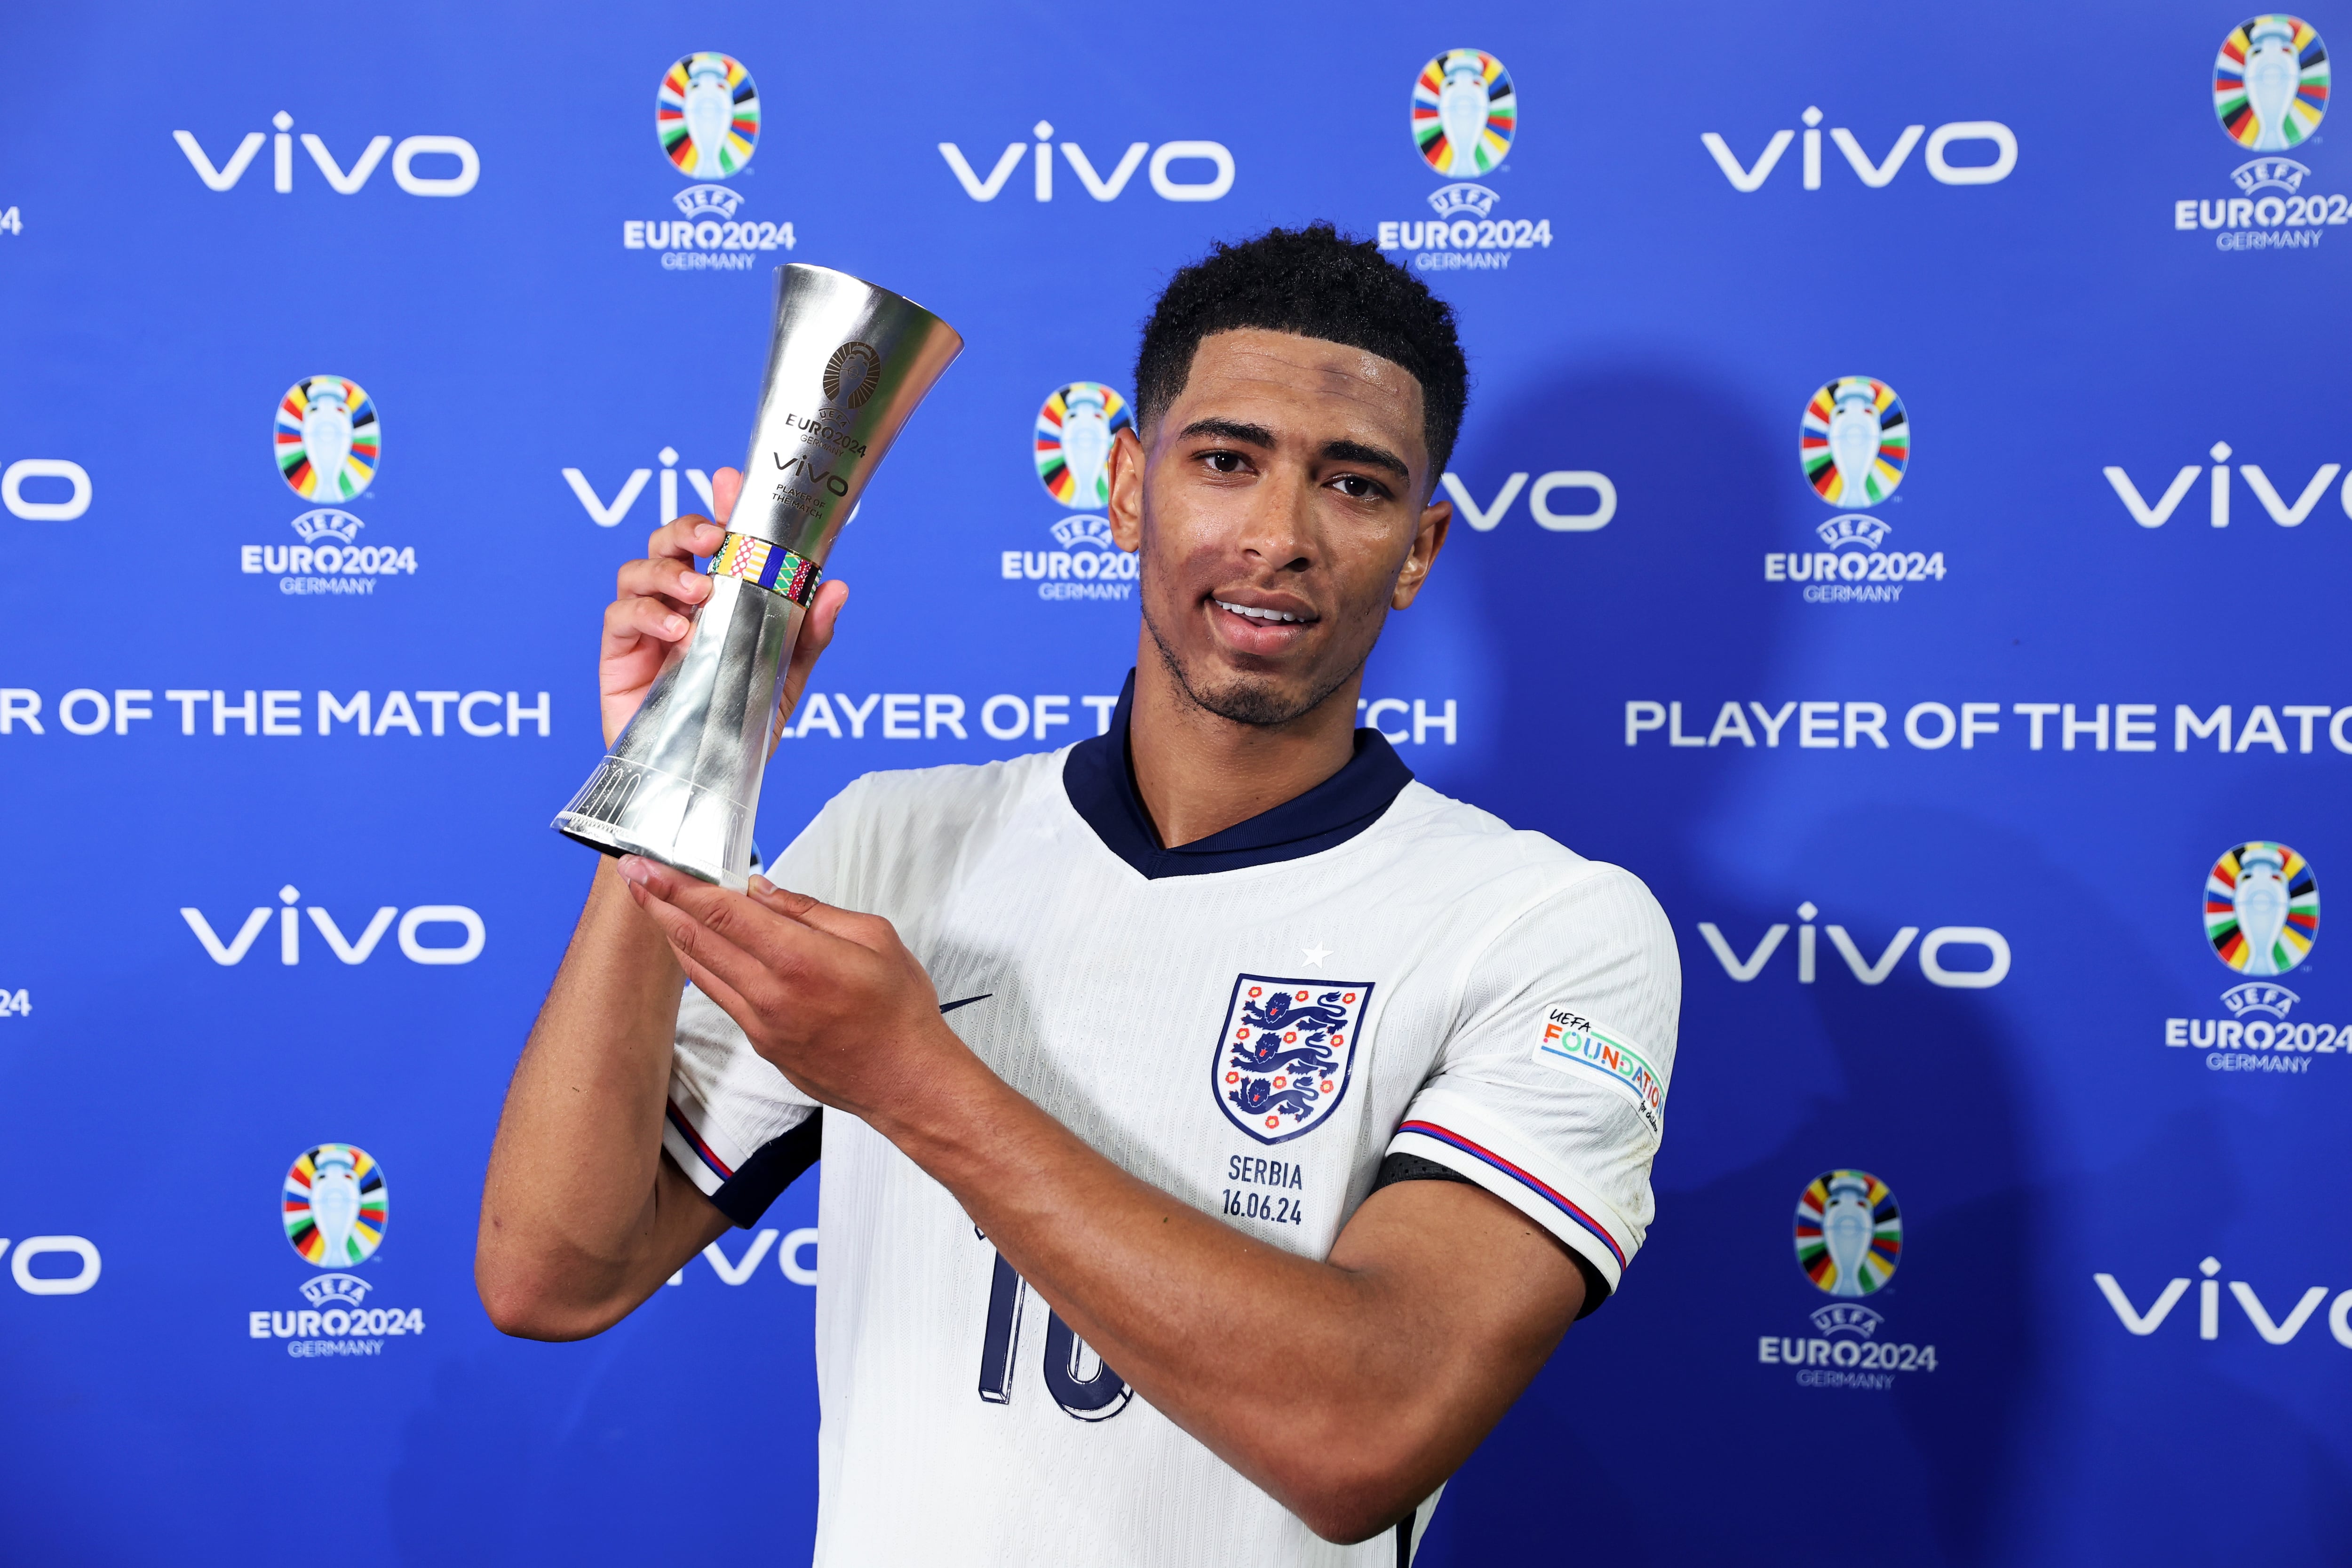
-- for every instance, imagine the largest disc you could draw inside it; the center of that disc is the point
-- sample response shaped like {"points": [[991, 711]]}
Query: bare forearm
{"points": [[1336, 1389], [571, 1209]]}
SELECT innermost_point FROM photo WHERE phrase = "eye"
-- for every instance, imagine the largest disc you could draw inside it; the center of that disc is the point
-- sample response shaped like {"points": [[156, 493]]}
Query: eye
{"points": [[1224, 462], [1356, 487]]}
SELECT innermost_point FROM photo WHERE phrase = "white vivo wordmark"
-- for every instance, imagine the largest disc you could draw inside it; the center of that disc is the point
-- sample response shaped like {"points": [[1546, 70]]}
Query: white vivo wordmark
{"points": [[55, 508], [348, 182], [1104, 184], [1598, 496], [738, 1271], [1878, 171], [1869, 970], [353, 948], [2285, 513], [32, 1246], [2274, 1330], [608, 514]]}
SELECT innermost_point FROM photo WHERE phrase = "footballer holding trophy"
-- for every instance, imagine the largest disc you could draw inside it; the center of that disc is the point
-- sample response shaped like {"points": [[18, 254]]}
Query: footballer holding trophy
{"points": [[1221, 1128]]}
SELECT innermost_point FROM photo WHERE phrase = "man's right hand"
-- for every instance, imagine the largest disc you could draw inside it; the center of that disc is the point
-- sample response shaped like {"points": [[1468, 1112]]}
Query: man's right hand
{"points": [[653, 610]]}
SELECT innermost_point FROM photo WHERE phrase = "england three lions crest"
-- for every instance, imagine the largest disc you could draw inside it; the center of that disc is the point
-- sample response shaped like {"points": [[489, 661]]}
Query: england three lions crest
{"points": [[1284, 1053]]}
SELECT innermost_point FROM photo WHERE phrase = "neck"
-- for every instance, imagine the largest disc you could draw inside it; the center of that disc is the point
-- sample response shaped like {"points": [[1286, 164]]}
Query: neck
{"points": [[1200, 774]]}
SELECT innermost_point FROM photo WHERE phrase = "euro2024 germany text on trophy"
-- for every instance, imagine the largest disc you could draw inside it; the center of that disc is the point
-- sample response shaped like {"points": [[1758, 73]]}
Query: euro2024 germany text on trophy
{"points": [[846, 365]]}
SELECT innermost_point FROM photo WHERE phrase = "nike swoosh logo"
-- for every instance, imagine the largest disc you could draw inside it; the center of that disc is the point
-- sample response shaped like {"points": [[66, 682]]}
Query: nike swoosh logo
{"points": [[951, 1006]]}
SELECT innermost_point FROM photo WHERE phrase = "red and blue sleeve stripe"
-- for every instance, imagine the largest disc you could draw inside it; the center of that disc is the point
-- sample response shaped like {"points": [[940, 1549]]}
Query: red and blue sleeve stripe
{"points": [[686, 1130], [1454, 1139]]}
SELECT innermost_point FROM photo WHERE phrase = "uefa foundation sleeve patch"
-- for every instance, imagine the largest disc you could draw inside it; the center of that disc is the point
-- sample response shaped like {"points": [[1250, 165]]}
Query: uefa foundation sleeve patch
{"points": [[1571, 1043]]}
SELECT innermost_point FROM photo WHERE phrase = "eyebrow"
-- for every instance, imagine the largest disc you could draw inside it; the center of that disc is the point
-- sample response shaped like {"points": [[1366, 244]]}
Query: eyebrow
{"points": [[1231, 430], [1371, 457], [1334, 451]]}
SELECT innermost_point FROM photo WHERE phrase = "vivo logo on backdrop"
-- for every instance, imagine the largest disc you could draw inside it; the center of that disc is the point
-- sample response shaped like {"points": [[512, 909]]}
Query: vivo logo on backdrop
{"points": [[355, 947], [1175, 169], [1878, 171], [50, 1281], [435, 179], [1591, 491], [45, 502], [2274, 1330], [1870, 971], [2284, 511], [608, 514]]}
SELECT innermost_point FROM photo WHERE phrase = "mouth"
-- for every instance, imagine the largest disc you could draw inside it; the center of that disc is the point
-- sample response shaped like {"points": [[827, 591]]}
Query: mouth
{"points": [[1261, 629], [1261, 612]]}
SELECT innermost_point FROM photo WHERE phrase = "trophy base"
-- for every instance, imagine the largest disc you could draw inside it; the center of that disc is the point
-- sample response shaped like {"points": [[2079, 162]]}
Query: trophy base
{"points": [[627, 808]]}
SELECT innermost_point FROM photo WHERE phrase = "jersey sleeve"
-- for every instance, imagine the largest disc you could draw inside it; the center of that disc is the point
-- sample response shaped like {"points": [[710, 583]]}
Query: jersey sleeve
{"points": [[734, 1124], [1550, 1091]]}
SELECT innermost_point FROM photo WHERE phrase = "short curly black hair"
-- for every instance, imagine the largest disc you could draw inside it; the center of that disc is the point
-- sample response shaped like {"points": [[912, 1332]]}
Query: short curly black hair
{"points": [[1319, 284]]}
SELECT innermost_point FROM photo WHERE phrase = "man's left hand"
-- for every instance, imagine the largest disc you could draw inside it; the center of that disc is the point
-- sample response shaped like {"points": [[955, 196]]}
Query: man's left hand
{"points": [[832, 998]]}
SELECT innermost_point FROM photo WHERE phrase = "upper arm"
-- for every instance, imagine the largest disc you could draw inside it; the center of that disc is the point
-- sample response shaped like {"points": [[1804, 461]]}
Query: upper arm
{"points": [[1470, 1297]]}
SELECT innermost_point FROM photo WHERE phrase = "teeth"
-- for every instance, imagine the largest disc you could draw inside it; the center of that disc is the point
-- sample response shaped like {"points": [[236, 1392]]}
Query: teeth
{"points": [[1258, 615]]}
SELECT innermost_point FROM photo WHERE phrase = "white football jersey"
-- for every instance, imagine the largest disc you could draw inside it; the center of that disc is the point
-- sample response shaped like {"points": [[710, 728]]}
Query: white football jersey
{"points": [[1251, 1024]]}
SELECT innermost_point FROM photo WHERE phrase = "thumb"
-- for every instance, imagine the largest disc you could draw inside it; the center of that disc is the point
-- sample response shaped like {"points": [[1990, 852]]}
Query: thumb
{"points": [[726, 487]]}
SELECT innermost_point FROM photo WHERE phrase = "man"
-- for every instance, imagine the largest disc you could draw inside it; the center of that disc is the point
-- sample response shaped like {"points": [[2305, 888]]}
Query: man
{"points": [[1213, 1050]]}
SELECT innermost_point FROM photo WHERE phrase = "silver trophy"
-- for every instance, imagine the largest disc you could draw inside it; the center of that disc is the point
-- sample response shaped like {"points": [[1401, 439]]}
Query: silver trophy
{"points": [[847, 364]]}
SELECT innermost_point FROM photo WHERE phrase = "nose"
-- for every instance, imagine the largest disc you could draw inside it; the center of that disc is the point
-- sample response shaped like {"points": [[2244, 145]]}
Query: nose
{"points": [[1278, 532]]}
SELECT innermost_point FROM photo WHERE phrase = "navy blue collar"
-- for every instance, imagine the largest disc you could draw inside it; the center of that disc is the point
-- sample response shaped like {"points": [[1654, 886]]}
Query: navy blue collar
{"points": [[1099, 778]]}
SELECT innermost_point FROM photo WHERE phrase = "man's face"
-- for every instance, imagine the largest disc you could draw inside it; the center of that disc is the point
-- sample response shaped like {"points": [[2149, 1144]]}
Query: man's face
{"points": [[1278, 511]]}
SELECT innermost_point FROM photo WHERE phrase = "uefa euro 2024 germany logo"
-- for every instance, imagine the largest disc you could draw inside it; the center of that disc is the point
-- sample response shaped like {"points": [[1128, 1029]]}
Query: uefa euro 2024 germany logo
{"points": [[2270, 87], [328, 443], [1070, 442], [707, 120], [2261, 907], [2262, 919], [1465, 121], [1849, 1240], [335, 1205], [328, 440], [708, 115], [1853, 445], [1075, 430], [1849, 1233]]}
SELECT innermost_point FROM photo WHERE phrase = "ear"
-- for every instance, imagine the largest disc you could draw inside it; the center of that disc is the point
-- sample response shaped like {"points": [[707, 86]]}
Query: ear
{"points": [[1428, 539], [1127, 490]]}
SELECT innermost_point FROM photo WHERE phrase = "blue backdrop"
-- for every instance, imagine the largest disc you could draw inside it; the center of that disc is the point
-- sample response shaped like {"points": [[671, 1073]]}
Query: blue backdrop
{"points": [[1989, 828]]}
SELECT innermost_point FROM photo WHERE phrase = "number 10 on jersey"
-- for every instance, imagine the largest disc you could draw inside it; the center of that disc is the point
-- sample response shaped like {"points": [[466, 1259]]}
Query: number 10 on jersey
{"points": [[1095, 1394]]}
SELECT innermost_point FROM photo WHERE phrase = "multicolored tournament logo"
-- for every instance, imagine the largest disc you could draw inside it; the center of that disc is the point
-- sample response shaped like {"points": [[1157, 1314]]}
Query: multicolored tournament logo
{"points": [[2261, 907], [1849, 1240], [707, 115], [2270, 93], [1853, 445], [1071, 444], [328, 440], [1282, 1057], [707, 120], [1466, 117], [328, 444], [334, 1205], [2261, 917], [1849, 1233]]}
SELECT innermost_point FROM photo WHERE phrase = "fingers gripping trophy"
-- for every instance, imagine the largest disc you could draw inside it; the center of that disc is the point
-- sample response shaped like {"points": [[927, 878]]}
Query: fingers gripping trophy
{"points": [[847, 362]]}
